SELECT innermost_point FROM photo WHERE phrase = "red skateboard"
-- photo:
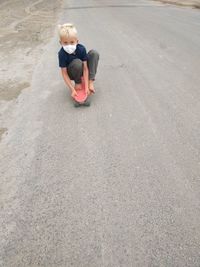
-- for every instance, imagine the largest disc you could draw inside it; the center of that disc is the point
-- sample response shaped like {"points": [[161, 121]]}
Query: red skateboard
{"points": [[81, 99]]}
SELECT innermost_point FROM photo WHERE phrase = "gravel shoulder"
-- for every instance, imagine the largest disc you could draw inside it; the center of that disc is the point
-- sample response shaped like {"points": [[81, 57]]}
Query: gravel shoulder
{"points": [[25, 29]]}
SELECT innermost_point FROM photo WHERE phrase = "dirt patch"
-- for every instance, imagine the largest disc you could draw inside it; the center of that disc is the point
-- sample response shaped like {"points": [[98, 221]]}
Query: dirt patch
{"points": [[188, 3], [9, 91], [25, 28], [2, 131]]}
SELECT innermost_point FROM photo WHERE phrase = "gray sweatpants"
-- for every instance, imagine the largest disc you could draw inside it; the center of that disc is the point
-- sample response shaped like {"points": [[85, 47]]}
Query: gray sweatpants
{"points": [[75, 68]]}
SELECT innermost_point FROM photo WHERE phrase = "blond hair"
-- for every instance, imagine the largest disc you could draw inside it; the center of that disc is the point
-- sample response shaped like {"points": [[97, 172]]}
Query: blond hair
{"points": [[67, 30]]}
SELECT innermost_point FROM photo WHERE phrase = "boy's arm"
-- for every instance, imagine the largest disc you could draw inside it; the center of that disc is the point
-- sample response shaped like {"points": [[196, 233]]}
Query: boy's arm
{"points": [[85, 75], [67, 80]]}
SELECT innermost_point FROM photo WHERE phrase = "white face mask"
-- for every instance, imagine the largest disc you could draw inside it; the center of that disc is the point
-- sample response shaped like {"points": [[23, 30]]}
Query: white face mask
{"points": [[69, 48]]}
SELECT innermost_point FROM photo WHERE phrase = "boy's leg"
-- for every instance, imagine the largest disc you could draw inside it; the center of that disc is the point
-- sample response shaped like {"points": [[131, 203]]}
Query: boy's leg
{"points": [[75, 71], [93, 59], [92, 62]]}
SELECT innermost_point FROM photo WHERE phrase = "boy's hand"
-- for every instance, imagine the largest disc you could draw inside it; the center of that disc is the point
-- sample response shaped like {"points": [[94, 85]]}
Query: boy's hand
{"points": [[92, 91], [87, 91], [74, 93]]}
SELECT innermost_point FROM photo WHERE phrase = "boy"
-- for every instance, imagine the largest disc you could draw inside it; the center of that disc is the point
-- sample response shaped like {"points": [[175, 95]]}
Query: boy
{"points": [[75, 62]]}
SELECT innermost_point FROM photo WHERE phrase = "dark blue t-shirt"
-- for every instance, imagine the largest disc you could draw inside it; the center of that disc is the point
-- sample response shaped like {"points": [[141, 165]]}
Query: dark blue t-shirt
{"points": [[65, 59]]}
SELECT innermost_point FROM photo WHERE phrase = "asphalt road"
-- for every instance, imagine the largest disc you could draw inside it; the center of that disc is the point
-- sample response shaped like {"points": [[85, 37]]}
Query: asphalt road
{"points": [[118, 183]]}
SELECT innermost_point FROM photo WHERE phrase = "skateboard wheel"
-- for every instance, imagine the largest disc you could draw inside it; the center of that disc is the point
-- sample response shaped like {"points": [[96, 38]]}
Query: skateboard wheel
{"points": [[86, 103], [76, 104]]}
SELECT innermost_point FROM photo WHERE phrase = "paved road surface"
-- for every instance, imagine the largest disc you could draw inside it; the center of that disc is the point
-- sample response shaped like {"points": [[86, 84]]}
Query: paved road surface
{"points": [[116, 184]]}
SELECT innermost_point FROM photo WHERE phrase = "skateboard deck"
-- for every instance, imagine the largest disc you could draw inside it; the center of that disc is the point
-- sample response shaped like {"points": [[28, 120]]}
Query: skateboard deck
{"points": [[81, 95], [81, 99]]}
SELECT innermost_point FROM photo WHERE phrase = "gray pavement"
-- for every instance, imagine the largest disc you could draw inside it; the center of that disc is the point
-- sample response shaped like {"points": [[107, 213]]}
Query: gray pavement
{"points": [[118, 183]]}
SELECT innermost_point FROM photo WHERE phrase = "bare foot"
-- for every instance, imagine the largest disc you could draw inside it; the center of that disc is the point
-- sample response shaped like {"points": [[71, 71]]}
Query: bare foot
{"points": [[91, 86]]}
